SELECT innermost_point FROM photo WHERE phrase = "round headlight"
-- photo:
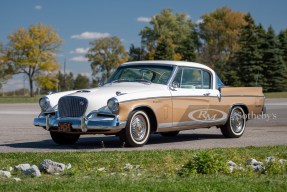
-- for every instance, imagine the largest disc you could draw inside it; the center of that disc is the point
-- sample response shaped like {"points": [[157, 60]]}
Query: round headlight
{"points": [[44, 103], [113, 105]]}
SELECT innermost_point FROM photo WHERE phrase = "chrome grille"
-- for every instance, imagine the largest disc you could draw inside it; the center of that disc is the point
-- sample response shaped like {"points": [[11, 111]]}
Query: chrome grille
{"points": [[72, 106]]}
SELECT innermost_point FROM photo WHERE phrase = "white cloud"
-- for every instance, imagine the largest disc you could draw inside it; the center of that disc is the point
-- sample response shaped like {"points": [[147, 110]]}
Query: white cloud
{"points": [[79, 59], [38, 7], [80, 51], [144, 19], [90, 35], [199, 21]]}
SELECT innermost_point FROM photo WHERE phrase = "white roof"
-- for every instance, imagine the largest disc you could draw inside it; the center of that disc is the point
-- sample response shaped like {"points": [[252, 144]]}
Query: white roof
{"points": [[178, 63]]}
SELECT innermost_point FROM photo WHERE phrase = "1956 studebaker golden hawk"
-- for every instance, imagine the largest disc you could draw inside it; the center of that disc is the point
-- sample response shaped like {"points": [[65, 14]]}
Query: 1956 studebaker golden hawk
{"points": [[147, 97]]}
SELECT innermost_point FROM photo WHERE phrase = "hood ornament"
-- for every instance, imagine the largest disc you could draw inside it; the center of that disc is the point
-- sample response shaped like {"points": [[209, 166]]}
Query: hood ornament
{"points": [[118, 93]]}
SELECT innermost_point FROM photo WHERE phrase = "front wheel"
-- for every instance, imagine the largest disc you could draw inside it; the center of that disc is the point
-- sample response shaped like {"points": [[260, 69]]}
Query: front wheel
{"points": [[64, 138], [235, 125], [137, 130]]}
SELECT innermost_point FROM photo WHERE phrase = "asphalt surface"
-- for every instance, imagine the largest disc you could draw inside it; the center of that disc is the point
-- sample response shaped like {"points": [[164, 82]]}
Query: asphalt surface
{"points": [[17, 133]]}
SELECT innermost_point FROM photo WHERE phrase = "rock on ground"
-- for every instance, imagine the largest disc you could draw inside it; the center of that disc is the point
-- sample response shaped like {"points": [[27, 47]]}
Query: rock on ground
{"points": [[52, 167], [5, 173], [33, 170]]}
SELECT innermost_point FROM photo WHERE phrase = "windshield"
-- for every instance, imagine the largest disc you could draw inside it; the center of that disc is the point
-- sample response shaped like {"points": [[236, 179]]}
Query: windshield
{"points": [[159, 74]]}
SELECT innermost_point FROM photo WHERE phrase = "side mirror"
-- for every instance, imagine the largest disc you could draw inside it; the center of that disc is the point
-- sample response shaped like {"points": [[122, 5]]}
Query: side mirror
{"points": [[175, 84]]}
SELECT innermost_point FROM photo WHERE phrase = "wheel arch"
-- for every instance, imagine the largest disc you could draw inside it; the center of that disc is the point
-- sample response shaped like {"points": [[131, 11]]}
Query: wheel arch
{"points": [[243, 106], [151, 114]]}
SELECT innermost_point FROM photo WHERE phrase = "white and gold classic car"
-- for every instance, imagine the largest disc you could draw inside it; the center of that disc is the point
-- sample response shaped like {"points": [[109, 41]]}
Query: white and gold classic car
{"points": [[146, 97]]}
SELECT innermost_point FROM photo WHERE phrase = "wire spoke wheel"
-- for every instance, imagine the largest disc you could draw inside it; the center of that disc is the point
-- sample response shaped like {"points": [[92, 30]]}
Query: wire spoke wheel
{"points": [[137, 130], [235, 125]]}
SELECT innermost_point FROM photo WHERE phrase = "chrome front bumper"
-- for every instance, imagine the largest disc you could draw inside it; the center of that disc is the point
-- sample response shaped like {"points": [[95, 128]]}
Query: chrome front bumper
{"points": [[86, 123]]}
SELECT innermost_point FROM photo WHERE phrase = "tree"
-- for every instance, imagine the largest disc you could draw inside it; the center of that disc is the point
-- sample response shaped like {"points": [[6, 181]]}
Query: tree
{"points": [[283, 44], [66, 81], [249, 57], [275, 71], [164, 50], [219, 31], [172, 29], [136, 53], [81, 82], [4, 71], [105, 55], [32, 52]]}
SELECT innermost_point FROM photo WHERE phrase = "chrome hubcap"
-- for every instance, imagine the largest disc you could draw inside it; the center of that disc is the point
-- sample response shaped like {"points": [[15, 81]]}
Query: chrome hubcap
{"points": [[138, 127], [237, 121]]}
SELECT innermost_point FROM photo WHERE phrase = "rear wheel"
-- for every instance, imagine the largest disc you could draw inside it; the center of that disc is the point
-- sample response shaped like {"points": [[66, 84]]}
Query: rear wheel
{"points": [[235, 125], [170, 134], [64, 138], [137, 130]]}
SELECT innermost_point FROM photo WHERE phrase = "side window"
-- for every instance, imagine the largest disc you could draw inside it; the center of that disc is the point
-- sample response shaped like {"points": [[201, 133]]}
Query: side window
{"points": [[192, 78]]}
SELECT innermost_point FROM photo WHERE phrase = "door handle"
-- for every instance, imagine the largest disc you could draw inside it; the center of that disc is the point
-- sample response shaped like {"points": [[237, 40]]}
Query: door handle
{"points": [[206, 94]]}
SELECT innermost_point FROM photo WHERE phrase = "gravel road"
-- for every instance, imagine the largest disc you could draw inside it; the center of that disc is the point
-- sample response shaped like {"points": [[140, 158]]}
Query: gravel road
{"points": [[17, 133]]}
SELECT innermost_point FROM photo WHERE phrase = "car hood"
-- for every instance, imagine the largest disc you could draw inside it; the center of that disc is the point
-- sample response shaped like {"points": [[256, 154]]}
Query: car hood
{"points": [[97, 98]]}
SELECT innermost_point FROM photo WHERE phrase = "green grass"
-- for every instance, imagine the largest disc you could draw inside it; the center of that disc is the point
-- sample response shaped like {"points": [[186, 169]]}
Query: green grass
{"points": [[276, 95], [19, 99], [158, 171]]}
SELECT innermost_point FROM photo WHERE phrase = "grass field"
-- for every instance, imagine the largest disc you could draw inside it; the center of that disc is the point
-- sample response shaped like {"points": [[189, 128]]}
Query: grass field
{"points": [[152, 171], [276, 95]]}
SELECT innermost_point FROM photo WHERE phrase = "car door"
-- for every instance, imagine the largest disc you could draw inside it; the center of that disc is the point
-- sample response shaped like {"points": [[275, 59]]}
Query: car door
{"points": [[191, 89]]}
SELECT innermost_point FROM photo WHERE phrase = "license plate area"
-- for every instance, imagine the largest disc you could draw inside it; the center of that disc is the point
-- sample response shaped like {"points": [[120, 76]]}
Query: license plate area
{"points": [[64, 127]]}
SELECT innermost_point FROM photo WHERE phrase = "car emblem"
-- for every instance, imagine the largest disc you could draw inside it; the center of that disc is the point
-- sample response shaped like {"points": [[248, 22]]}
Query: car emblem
{"points": [[82, 103]]}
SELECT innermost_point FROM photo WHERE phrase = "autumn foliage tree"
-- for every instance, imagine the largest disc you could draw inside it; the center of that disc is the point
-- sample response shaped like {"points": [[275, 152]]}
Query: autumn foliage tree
{"points": [[32, 52], [219, 32], [105, 55], [168, 34]]}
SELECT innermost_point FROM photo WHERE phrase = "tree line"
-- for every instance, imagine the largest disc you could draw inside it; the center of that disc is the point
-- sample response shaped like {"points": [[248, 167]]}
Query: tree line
{"points": [[242, 52]]}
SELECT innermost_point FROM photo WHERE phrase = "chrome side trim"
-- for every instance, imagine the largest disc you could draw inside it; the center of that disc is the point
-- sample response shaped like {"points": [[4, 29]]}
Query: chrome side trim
{"points": [[241, 96], [192, 123]]}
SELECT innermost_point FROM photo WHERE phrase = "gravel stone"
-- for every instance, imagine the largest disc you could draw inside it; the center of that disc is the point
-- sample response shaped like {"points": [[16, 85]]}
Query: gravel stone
{"points": [[33, 170], [23, 167], [5, 173], [51, 167], [128, 167]]}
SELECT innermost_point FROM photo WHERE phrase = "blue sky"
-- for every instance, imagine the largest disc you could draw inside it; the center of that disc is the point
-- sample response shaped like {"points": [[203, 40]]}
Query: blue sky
{"points": [[78, 22]]}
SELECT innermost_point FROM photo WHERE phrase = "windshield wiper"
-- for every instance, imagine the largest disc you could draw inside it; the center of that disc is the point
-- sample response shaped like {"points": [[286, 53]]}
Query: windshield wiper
{"points": [[120, 80]]}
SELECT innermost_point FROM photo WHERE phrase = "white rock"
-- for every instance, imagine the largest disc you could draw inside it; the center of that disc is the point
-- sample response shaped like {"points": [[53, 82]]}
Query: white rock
{"points": [[5, 173], [17, 179], [253, 162], [68, 166], [128, 166], [23, 167], [11, 169], [231, 168], [258, 168], [52, 167], [269, 159], [34, 170], [101, 169], [282, 161], [231, 163]]}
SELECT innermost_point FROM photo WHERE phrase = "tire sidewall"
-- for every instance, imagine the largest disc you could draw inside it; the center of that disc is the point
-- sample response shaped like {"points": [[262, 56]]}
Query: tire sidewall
{"points": [[129, 135], [244, 122]]}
